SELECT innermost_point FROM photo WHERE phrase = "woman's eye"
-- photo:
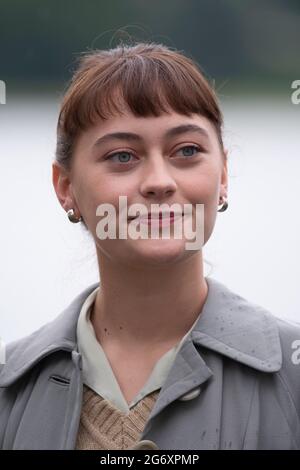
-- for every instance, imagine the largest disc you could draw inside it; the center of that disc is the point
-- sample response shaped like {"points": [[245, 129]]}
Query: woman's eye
{"points": [[190, 147], [117, 154]]}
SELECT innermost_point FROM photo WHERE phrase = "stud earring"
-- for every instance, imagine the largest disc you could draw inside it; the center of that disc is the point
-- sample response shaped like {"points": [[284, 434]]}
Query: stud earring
{"points": [[225, 204], [71, 216]]}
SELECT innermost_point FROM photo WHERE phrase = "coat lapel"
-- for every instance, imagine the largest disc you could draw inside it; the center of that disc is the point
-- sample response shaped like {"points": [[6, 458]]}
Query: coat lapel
{"points": [[231, 326]]}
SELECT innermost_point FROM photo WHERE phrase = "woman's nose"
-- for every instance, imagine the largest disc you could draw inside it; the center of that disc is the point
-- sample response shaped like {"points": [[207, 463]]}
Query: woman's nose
{"points": [[157, 180]]}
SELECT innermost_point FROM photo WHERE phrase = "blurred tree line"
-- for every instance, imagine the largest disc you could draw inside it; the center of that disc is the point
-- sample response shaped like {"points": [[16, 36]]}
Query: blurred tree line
{"points": [[245, 40]]}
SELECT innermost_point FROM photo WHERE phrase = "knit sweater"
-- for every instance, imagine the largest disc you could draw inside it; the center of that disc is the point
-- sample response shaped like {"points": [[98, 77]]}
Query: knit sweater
{"points": [[104, 427]]}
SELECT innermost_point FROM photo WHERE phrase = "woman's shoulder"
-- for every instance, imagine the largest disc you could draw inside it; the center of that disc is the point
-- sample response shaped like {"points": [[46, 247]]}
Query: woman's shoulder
{"points": [[247, 331], [58, 334], [224, 300], [289, 334]]}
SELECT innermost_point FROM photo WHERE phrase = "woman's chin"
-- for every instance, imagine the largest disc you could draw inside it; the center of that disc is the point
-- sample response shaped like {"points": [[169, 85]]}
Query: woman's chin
{"points": [[158, 251]]}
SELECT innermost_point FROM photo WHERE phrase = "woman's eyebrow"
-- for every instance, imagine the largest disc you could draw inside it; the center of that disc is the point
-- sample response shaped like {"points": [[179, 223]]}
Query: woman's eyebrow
{"points": [[172, 132]]}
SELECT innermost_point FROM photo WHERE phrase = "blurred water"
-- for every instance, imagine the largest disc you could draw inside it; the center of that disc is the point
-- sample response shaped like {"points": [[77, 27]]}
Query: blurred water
{"points": [[46, 261]]}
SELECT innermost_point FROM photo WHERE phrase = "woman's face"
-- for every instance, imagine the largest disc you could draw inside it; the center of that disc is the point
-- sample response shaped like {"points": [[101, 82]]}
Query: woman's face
{"points": [[155, 166]]}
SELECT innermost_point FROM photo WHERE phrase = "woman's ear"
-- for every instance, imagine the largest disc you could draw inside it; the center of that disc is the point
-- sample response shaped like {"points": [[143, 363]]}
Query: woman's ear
{"points": [[62, 185], [224, 177]]}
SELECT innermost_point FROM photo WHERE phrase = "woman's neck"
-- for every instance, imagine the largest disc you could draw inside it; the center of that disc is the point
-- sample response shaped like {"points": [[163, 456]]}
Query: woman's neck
{"points": [[140, 309]]}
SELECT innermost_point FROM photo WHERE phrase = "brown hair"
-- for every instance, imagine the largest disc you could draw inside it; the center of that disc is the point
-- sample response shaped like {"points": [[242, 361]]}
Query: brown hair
{"points": [[149, 78]]}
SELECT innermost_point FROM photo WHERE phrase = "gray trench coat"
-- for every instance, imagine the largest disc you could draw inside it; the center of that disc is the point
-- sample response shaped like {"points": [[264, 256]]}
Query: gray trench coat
{"points": [[234, 384]]}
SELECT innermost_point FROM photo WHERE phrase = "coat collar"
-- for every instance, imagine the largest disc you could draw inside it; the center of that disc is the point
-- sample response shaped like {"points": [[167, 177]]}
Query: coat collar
{"points": [[229, 324], [237, 328]]}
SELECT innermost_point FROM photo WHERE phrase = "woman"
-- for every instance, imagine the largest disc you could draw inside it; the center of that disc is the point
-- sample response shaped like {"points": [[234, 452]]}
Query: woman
{"points": [[157, 356]]}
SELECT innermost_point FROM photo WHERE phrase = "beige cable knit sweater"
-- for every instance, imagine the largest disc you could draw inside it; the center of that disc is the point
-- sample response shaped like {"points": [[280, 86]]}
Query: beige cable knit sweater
{"points": [[104, 427]]}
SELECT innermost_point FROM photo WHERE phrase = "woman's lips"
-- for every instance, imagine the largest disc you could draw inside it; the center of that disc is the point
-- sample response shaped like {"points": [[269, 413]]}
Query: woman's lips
{"points": [[158, 222]]}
